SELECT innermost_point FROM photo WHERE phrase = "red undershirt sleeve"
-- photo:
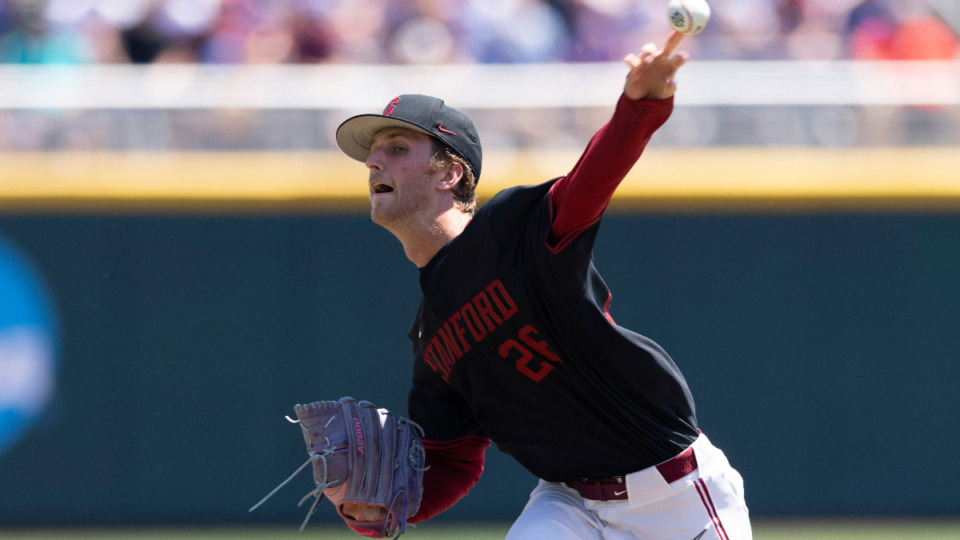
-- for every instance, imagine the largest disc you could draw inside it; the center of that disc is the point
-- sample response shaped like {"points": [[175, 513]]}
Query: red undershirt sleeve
{"points": [[453, 467], [578, 199]]}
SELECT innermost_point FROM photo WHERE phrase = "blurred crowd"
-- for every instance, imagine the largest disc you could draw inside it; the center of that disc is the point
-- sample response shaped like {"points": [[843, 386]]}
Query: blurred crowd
{"points": [[456, 31], [461, 32]]}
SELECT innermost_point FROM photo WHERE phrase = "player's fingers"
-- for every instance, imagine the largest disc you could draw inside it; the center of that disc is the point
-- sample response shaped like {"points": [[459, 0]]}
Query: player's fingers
{"points": [[647, 58], [648, 52], [631, 60], [672, 43], [678, 60], [363, 512]]}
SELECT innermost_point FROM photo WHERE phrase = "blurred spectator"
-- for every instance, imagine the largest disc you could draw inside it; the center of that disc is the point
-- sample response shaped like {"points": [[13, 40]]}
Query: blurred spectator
{"points": [[603, 30], [248, 32], [358, 27], [905, 30], [922, 35], [870, 28], [170, 31], [448, 31], [30, 38], [456, 31], [515, 31], [817, 28], [427, 32], [312, 40]]}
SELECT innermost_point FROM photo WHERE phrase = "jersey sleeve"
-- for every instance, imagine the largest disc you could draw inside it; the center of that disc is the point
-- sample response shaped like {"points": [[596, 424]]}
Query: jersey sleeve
{"points": [[442, 413], [578, 199], [454, 442]]}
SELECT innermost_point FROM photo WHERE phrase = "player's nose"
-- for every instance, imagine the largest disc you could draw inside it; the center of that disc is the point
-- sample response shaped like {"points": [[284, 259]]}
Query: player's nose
{"points": [[373, 161]]}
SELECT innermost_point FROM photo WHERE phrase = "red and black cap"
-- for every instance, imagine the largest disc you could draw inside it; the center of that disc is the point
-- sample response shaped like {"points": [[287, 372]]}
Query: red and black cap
{"points": [[426, 114]]}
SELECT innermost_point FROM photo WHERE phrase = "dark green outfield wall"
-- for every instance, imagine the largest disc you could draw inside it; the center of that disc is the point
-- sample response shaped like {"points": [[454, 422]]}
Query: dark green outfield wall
{"points": [[823, 352]]}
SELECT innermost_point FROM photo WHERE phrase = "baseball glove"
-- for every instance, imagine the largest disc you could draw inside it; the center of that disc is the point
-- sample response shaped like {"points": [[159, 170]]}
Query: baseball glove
{"points": [[361, 455]]}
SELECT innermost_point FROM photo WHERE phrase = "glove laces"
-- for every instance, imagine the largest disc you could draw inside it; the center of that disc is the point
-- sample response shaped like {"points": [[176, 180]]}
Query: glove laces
{"points": [[321, 485]]}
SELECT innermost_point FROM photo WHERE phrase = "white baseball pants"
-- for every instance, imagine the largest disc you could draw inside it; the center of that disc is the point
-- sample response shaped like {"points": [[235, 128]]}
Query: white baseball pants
{"points": [[706, 504]]}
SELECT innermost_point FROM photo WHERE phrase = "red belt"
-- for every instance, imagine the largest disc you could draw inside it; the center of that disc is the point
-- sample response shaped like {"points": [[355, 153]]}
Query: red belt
{"points": [[614, 489]]}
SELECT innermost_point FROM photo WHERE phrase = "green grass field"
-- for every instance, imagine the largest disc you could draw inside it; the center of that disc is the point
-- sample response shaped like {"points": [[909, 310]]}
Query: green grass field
{"points": [[763, 530]]}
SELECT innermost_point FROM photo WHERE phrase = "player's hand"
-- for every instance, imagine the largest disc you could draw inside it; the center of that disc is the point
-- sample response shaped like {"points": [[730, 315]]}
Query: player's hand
{"points": [[364, 512], [651, 73]]}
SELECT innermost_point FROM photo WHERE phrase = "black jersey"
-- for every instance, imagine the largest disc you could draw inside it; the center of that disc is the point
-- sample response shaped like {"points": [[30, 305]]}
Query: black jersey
{"points": [[514, 341]]}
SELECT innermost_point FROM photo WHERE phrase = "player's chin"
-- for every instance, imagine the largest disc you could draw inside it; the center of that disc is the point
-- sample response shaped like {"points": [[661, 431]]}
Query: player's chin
{"points": [[382, 214], [378, 205]]}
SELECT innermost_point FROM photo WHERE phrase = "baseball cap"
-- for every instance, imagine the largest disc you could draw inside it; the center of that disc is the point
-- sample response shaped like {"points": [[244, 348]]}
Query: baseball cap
{"points": [[426, 114]]}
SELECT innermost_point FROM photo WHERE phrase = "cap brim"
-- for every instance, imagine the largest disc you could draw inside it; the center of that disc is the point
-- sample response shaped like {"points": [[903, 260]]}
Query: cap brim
{"points": [[355, 134]]}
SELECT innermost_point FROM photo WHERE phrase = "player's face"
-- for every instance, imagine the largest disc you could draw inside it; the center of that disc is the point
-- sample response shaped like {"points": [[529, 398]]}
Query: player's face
{"points": [[401, 187]]}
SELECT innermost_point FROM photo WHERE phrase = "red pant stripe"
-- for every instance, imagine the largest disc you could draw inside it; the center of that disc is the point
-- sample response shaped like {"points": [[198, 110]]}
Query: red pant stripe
{"points": [[711, 509]]}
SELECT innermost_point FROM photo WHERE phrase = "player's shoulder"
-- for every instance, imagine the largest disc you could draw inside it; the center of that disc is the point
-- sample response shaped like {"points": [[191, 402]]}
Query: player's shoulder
{"points": [[518, 198], [512, 208]]}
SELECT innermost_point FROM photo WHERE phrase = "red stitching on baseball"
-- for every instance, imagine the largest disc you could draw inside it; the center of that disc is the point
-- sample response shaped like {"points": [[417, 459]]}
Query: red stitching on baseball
{"points": [[689, 16]]}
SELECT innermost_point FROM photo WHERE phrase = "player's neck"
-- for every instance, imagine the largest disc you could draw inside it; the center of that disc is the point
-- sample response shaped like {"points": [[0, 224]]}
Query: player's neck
{"points": [[422, 244]]}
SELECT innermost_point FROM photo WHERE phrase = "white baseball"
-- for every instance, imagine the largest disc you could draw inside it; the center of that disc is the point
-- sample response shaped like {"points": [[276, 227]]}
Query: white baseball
{"points": [[689, 17]]}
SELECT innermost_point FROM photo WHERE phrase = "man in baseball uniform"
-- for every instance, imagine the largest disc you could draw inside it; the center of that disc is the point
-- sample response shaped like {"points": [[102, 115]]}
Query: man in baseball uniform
{"points": [[514, 340]]}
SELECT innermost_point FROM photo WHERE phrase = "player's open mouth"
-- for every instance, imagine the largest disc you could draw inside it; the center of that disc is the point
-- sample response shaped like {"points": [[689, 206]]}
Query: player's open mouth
{"points": [[382, 188]]}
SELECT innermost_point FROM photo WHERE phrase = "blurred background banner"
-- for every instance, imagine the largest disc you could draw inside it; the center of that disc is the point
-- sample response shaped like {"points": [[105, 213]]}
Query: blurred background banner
{"points": [[184, 253]]}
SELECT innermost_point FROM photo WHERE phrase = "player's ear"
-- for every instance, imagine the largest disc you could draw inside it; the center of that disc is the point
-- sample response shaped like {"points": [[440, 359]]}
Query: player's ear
{"points": [[452, 174]]}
